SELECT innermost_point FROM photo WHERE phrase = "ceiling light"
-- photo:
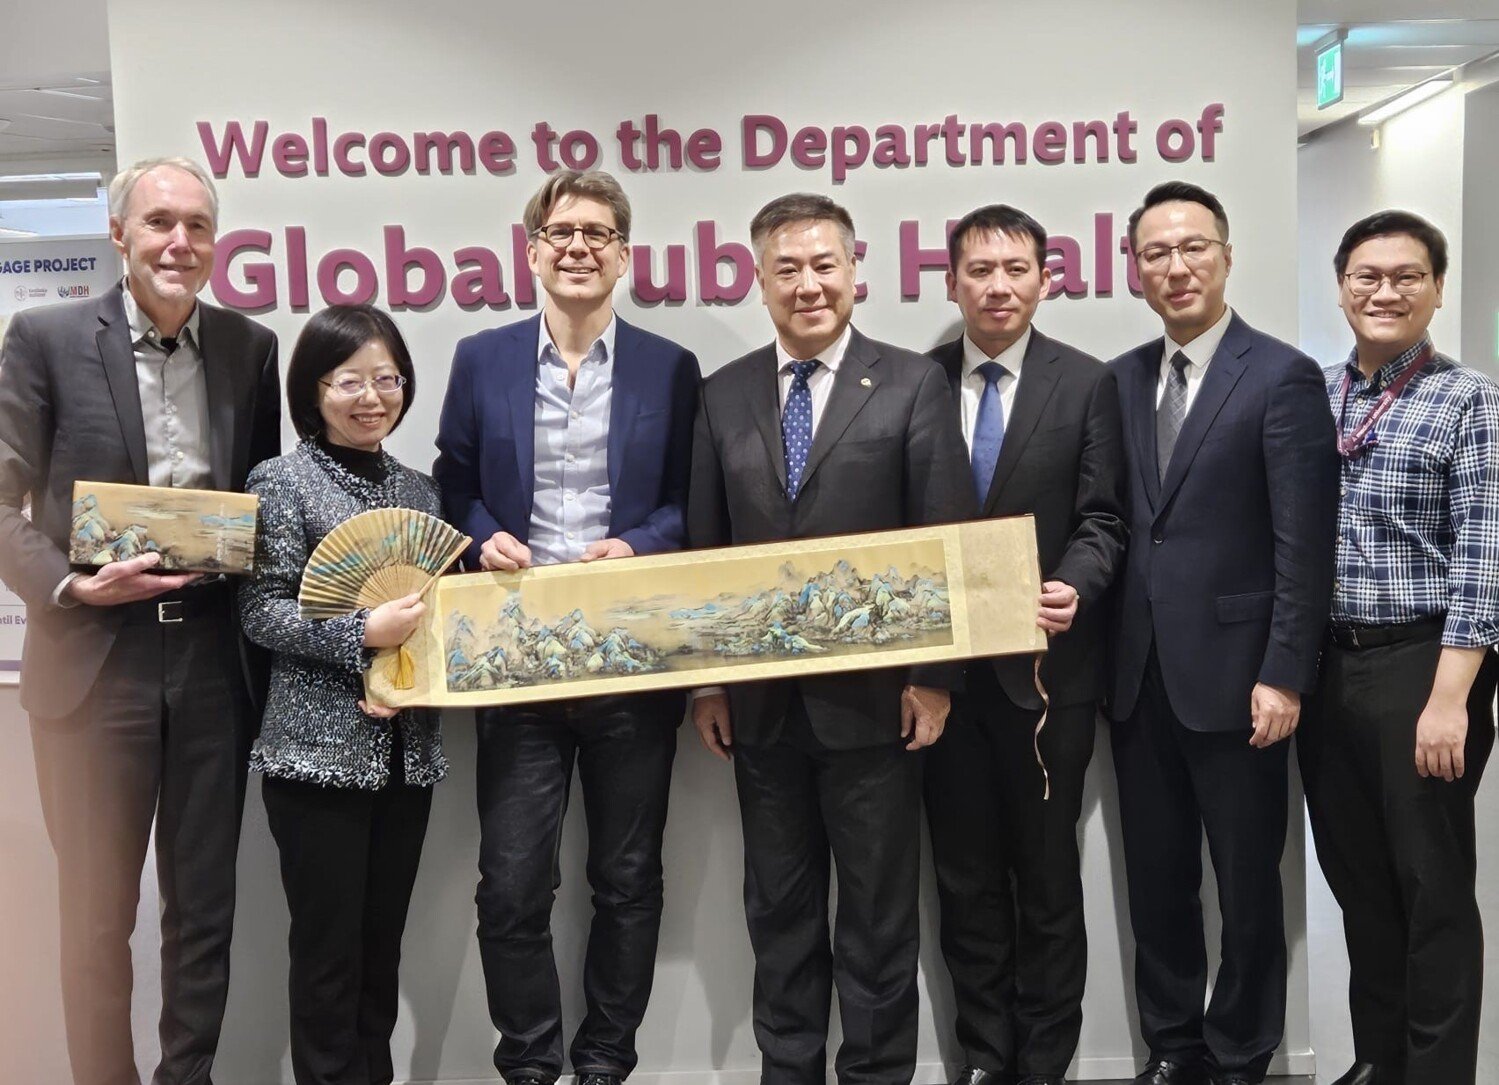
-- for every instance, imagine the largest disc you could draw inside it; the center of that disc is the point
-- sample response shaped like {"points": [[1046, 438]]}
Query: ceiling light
{"points": [[1401, 102]]}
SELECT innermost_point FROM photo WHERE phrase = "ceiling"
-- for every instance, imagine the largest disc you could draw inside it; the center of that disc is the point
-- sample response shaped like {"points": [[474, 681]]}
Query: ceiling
{"points": [[57, 106], [1381, 60], [47, 118]]}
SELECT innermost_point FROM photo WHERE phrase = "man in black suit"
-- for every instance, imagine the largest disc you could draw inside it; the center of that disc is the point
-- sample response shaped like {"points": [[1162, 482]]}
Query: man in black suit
{"points": [[1042, 424], [820, 433], [1232, 473], [134, 680]]}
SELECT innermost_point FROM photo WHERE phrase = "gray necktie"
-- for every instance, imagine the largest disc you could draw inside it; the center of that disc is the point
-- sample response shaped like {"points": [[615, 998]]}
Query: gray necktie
{"points": [[1172, 411]]}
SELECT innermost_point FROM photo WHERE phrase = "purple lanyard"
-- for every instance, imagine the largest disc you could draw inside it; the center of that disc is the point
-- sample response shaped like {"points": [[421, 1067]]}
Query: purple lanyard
{"points": [[1360, 440]]}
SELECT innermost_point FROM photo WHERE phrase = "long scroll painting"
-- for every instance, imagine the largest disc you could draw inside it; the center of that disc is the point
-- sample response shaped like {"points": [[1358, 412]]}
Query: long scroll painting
{"points": [[708, 617]]}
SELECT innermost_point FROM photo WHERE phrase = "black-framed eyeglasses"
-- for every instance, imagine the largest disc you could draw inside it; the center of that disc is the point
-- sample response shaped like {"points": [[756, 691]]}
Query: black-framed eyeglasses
{"points": [[1366, 283], [559, 235], [1195, 251], [386, 384]]}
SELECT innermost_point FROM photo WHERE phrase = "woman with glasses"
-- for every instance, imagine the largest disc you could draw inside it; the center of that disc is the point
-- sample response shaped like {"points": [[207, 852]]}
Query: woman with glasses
{"points": [[347, 783]]}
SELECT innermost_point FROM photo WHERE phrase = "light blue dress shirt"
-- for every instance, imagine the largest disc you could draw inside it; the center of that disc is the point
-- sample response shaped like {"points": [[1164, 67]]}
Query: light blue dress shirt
{"points": [[571, 505]]}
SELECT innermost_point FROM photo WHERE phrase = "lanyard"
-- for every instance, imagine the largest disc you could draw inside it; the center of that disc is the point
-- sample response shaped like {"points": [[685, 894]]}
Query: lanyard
{"points": [[1360, 440]]}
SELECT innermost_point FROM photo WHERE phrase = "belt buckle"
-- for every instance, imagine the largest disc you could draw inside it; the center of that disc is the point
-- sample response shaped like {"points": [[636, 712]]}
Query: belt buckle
{"points": [[169, 612], [1353, 636]]}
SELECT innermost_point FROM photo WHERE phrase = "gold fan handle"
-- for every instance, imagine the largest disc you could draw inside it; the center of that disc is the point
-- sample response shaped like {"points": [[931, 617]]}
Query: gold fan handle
{"points": [[402, 670]]}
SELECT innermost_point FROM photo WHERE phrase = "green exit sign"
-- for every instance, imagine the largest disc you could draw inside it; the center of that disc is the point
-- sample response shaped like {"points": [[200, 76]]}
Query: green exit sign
{"points": [[1330, 75]]}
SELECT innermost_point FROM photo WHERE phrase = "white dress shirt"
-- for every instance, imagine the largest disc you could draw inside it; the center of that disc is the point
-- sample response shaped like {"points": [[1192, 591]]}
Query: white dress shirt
{"points": [[971, 387], [1199, 353]]}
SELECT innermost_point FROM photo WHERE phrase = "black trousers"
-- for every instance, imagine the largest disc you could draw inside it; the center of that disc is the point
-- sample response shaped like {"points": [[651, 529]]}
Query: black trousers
{"points": [[348, 864], [624, 748], [1398, 853], [163, 734], [1008, 876], [798, 801], [1173, 785]]}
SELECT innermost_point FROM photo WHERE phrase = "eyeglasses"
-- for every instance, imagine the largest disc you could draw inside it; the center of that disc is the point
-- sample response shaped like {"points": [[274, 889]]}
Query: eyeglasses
{"points": [[1362, 284], [1195, 252], [560, 235], [386, 384]]}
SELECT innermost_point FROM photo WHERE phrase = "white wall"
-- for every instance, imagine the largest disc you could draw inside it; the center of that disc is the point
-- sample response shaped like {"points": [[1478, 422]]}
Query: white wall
{"points": [[1417, 166], [374, 66]]}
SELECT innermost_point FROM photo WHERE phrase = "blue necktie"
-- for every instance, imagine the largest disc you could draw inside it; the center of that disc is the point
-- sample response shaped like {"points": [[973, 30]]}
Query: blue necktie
{"points": [[988, 429], [796, 425]]}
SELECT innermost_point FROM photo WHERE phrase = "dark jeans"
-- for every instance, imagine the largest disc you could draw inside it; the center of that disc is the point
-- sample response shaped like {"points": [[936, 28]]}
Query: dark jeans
{"points": [[163, 734], [798, 801], [624, 748], [348, 864], [1008, 875], [1398, 852], [1174, 784]]}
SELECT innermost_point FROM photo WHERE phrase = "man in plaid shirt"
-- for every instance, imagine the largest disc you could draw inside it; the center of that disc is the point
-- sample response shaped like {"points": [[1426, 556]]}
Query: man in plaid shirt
{"points": [[1397, 734]]}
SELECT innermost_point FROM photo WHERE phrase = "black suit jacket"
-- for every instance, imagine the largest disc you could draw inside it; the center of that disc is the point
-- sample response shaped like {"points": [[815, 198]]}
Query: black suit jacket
{"points": [[1230, 562], [887, 453], [70, 409], [1063, 462]]}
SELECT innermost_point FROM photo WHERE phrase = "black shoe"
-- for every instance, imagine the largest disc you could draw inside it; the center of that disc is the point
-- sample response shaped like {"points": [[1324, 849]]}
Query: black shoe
{"points": [[972, 1075], [1042, 1079], [1166, 1072], [527, 1077], [1361, 1073], [1233, 1079], [600, 1079]]}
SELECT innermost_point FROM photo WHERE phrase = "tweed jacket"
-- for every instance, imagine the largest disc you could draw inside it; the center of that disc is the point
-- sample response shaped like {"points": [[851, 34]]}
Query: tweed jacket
{"points": [[313, 729]]}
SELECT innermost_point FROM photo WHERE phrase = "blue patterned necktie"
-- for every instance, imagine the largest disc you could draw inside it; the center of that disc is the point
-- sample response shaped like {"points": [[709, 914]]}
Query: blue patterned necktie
{"points": [[988, 429], [1171, 413], [796, 425]]}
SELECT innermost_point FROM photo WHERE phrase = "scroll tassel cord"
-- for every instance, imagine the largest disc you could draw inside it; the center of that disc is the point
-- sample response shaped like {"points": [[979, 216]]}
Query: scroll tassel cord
{"points": [[1036, 737], [401, 669]]}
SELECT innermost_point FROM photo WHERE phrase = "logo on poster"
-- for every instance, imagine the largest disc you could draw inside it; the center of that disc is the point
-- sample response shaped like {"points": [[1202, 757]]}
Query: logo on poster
{"points": [[75, 291], [20, 293]]}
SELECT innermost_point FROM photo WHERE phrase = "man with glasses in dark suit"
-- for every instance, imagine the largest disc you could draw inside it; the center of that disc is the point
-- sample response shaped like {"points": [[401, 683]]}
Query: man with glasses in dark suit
{"points": [[1232, 496]]}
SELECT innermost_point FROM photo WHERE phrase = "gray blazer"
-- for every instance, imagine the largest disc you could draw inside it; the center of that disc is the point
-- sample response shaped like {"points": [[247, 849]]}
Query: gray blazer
{"points": [[888, 453], [70, 409], [313, 729]]}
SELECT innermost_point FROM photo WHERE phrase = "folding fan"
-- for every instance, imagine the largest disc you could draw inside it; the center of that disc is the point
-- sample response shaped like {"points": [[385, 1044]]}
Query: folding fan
{"points": [[374, 557]]}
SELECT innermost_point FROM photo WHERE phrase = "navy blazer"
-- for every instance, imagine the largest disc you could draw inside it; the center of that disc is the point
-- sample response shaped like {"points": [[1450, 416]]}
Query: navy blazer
{"points": [[1230, 561], [486, 450]]}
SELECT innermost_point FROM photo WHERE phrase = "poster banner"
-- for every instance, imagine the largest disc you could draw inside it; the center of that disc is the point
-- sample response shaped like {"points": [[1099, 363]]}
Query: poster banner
{"points": [[42, 271]]}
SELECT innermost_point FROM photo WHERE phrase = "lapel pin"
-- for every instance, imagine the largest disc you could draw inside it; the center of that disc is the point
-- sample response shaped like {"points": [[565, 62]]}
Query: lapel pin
{"points": [[865, 382]]}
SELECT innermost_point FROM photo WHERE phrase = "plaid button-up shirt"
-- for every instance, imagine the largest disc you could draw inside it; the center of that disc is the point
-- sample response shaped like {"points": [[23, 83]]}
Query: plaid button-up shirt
{"points": [[1418, 521]]}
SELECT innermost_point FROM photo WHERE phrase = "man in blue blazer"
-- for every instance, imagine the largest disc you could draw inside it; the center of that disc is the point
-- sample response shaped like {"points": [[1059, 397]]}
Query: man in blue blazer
{"points": [[567, 437], [1232, 475]]}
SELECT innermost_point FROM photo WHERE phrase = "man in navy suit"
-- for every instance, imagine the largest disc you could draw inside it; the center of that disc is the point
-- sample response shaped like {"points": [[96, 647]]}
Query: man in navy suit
{"points": [[567, 437], [1232, 475]]}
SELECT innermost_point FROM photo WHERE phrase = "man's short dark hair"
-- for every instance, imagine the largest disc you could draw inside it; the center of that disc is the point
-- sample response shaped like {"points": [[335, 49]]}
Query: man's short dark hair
{"points": [[996, 218], [1385, 223], [797, 207], [1180, 192], [329, 340]]}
